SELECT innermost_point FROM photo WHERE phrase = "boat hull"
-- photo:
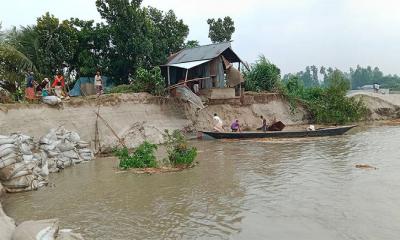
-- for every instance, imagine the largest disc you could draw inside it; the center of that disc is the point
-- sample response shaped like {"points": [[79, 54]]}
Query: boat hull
{"points": [[283, 134]]}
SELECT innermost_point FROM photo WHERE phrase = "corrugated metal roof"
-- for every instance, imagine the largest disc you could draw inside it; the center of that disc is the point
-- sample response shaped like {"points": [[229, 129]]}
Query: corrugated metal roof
{"points": [[200, 53], [188, 65]]}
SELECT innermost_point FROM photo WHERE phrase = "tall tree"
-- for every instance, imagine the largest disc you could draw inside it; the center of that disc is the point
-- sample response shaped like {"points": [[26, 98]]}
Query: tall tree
{"points": [[129, 29], [192, 44], [314, 70], [57, 43], [221, 30], [168, 34], [13, 63], [93, 48], [140, 37]]}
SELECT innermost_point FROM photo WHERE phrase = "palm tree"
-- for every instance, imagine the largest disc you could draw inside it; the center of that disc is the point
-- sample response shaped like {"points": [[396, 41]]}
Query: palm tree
{"points": [[13, 63]]}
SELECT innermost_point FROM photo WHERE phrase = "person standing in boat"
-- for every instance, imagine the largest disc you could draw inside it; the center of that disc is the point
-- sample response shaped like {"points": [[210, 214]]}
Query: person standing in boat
{"points": [[235, 126], [264, 125], [218, 124]]}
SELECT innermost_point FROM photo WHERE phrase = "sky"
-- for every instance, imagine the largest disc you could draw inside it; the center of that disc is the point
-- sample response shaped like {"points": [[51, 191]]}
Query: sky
{"points": [[290, 33]]}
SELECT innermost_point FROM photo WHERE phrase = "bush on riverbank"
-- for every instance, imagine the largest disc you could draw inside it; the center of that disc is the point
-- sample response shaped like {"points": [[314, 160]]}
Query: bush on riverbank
{"points": [[142, 157], [262, 76], [150, 81], [179, 152], [327, 105]]}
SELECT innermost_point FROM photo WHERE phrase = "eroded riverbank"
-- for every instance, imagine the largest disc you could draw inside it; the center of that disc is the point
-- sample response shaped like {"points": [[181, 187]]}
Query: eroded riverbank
{"points": [[279, 189]]}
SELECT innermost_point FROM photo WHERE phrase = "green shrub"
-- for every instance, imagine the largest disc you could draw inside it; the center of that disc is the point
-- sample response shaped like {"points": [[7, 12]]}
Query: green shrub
{"points": [[262, 76], [326, 105], [142, 157], [179, 153], [150, 81]]}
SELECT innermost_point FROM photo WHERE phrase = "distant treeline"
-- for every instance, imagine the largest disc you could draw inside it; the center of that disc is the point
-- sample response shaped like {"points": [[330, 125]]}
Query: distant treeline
{"points": [[358, 77]]}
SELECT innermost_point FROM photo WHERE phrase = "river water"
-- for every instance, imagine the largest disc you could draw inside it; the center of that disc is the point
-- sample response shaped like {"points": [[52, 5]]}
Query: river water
{"points": [[280, 189]]}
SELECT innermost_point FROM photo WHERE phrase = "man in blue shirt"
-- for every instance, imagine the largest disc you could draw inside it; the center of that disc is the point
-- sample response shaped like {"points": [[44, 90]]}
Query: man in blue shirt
{"points": [[30, 80]]}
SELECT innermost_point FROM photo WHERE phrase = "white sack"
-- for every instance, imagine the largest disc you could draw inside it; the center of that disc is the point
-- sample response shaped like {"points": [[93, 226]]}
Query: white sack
{"points": [[37, 230]]}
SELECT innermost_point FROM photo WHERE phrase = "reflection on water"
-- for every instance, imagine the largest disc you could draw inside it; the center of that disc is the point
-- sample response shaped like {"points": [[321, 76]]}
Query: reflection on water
{"points": [[262, 189]]}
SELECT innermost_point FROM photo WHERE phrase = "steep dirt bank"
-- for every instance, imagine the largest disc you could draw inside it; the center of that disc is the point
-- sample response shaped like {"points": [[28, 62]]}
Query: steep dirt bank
{"points": [[138, 116], [380, 106], [247, 111], [133, 117]]}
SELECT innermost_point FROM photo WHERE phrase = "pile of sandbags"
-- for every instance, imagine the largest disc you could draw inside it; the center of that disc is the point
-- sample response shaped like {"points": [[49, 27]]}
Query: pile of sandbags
{"points": [[25, 166], [64, 148], [19, 165]]}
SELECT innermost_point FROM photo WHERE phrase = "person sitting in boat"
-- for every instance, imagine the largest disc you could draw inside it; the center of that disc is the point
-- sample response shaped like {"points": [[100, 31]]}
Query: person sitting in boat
{"points": [[264, 125], [235, 126], [311, 128], [218, 124]]}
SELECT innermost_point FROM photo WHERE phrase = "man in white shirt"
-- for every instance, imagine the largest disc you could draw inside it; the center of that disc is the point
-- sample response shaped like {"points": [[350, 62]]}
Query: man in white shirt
{"points": [[218, 124]]}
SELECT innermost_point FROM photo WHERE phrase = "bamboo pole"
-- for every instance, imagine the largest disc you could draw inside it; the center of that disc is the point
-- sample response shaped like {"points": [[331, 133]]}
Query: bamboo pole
{"points": [[121, 141]]}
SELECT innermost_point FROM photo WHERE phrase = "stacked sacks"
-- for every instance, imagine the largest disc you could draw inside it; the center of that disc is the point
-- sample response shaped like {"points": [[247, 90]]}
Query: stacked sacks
{"points": [[25, 167], [17, 164], [64, 148]]}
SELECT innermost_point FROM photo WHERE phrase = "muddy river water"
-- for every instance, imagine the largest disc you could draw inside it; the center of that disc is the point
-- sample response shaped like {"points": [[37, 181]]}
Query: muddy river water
{"points": [[281, 189]]}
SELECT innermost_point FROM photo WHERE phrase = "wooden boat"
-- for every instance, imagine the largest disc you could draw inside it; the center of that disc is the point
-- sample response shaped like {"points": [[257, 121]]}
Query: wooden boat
{"points": [[321, 132]]}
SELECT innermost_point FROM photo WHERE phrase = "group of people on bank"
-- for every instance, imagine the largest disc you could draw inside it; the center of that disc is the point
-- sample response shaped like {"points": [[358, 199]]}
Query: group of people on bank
{"points": [[235, 125], [58, 87]]}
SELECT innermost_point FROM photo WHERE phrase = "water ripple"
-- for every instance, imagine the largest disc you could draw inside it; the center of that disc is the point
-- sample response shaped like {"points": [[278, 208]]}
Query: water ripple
{"points": [[262, 189]]}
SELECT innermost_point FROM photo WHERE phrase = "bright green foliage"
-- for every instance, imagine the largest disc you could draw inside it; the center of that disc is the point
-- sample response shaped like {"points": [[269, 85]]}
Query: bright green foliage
{"points": [[262, 76], [179, 153], [93, 47], [149, 81], [326, 105], [57, 42], [132, 37], [168, 35], [13, 63], [141, 37], [221, 30], [143, 157]]}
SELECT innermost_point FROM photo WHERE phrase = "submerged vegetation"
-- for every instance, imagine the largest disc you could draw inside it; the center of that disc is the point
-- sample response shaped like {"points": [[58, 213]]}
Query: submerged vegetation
{"points": [[142, 157], [180, 154]]}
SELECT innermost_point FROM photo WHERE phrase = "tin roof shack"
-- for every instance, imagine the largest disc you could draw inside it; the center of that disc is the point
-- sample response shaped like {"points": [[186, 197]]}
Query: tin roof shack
{"points": [[206, 70]]}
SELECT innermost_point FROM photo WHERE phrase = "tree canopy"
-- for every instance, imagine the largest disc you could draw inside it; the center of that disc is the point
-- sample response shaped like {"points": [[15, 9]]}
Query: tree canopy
{"points": [[221, 30], [130, 38]]}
